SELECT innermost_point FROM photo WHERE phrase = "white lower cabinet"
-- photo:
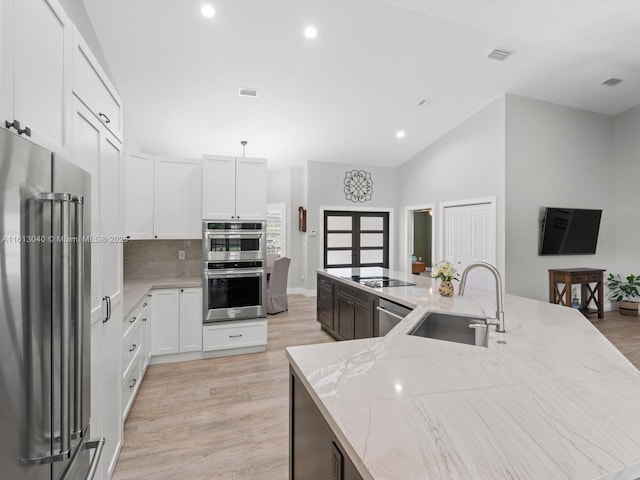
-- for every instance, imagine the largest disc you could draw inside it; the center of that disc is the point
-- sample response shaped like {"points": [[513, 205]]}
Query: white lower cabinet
{"points": [[110, 378], [177, 320], [190, 319], [134, 353], [236, 334]]}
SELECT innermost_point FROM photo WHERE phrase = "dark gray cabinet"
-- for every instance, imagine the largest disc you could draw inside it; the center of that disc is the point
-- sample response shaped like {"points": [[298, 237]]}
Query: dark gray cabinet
{"points": [[325, 302], [355, 311], [345, 312], [315, 453]]}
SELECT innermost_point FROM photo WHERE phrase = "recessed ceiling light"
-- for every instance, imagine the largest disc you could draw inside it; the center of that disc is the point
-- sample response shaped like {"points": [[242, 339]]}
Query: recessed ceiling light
{"points": [[208, 10], [400, 134], [311, 32]]}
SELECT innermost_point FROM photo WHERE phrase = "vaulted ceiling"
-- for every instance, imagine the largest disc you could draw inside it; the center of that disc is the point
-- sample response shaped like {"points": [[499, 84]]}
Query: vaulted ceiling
{"points": [[343, 96]]}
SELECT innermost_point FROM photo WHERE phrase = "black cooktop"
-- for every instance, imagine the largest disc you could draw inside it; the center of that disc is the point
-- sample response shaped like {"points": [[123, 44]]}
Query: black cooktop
{"points": [[379, 282]]}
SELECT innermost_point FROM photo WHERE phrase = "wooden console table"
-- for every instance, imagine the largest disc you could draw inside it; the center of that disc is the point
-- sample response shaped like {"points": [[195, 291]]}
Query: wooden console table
{"points": [[583, 276], [417, 267]]}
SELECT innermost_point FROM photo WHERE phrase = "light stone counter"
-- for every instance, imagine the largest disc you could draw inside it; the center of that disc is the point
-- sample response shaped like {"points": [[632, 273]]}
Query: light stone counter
{"points": [[553, 400], [134, 290]]}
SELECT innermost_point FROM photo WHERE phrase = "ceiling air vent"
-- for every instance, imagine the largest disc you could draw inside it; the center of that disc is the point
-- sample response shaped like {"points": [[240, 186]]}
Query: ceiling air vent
{"points": [[500, 54], [611, 82], [248, 92]]}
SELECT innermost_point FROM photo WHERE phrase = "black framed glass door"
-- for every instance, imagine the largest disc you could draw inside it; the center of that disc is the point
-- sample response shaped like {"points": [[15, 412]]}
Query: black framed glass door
{"points": [[356, 239]]}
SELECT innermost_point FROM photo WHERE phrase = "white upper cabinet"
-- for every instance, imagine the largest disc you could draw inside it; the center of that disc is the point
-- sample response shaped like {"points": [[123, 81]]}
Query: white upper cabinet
{"points": [[138, 196], [234, 188], [177, 198], [251, 188], [93, 88], [35, 73], [218, 187]]}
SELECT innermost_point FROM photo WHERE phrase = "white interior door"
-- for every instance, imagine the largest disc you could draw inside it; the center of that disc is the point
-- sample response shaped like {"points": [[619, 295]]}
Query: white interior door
{"points": [[469, 235]]}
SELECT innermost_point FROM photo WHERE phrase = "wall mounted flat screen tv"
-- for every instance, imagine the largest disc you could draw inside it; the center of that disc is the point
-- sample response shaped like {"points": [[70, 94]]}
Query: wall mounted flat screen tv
{"points": [[569, 231]]}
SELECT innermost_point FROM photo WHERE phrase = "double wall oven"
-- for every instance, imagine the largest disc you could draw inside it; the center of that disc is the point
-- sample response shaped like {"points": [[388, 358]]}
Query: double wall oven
{"points": [[234, 278]]}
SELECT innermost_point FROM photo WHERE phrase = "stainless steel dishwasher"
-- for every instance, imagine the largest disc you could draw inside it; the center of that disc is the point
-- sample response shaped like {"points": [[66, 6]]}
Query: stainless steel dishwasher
{"points": [[389, 315]]}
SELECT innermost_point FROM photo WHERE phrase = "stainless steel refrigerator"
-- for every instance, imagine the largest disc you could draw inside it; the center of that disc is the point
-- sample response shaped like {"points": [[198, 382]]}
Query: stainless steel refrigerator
{"points": [[44, 316]]}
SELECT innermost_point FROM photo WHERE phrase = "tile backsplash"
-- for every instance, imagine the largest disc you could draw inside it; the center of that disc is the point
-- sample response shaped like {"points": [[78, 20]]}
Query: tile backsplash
{"points": [[159, 258]]}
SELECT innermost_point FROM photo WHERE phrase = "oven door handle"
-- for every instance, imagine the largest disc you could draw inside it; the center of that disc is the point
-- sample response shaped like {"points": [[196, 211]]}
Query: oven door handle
{"points": [[234, 274], [235, 235]]}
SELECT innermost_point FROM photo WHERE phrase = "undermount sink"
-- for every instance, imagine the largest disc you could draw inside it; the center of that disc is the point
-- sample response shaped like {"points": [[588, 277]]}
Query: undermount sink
{"points": [[453, 328]]}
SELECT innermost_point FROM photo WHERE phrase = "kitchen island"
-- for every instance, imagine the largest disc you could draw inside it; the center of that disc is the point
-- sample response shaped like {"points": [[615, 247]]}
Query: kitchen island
{"points": [[551, 398]]}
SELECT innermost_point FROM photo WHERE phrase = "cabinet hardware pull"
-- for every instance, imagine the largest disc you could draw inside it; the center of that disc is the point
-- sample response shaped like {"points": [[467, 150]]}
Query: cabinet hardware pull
{"points": [[133, 319], [103, 116], [133, 347], [144, 319], [25, 130], [134, 383], [235, 336], [15, 124], [108, 302], [144, 304]]}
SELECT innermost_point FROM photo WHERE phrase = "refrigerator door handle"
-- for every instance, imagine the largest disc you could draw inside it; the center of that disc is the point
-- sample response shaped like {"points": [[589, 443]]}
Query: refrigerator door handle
{"points": [[98, 444], [79, 347], [61, 245], [65, 325]]}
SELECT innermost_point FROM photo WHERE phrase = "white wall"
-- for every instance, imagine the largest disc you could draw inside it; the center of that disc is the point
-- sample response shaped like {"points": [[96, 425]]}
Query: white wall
{"points": [[467, 163], [627, 153], [558, 157], [286, 186], [326, 189]]}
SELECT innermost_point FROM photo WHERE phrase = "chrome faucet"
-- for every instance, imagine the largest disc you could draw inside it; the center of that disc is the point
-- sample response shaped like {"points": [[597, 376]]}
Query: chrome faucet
{"points": [[499, 312]]}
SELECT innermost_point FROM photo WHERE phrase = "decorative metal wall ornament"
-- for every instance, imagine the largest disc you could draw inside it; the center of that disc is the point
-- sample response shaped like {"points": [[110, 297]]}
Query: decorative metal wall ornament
{"points": [[358, 186]]}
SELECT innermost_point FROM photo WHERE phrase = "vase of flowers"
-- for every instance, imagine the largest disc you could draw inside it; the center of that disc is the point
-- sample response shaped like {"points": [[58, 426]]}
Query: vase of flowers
{"points": [[446, 273]]}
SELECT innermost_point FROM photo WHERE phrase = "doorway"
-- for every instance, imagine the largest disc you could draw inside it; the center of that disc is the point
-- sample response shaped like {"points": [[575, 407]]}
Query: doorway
{"points": [[420, 239]]}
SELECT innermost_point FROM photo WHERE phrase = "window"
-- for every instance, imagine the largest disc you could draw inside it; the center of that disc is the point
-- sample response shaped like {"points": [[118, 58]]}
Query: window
{"points": [[276, 229], [356, 239]]}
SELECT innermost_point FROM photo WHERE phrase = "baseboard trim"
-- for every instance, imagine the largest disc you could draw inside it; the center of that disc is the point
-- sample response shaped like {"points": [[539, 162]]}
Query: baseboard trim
{"points": [[301, 291]]}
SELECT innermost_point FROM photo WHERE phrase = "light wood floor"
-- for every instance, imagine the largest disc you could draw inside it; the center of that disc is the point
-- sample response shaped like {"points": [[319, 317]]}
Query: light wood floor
{"points": [[228, 418], [224, 418]]}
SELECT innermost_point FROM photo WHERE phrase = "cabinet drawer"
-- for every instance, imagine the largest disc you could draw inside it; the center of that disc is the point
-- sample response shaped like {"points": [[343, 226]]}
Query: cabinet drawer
{"points": [[578, 278], [325, 295], [132, 343], [594, 277], [322, 280], [234, 335], [92, 87], [139, 314], [130, 385], [354, 295]]}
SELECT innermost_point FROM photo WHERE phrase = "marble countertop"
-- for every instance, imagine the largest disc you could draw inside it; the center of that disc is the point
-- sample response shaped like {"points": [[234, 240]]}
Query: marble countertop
{"points": [[135, 289], [551, 398]]}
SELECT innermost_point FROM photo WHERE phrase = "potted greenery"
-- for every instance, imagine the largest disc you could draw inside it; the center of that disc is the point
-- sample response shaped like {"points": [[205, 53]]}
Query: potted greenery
{"points": [[621, 290]]}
